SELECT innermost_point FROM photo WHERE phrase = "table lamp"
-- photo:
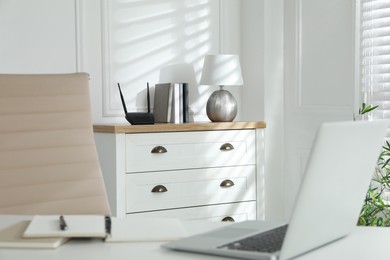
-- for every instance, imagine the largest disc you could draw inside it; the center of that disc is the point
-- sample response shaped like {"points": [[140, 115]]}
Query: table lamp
{"points": [[222, 70]]}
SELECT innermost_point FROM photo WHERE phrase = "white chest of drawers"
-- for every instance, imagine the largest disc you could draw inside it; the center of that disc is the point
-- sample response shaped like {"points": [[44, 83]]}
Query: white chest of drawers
{"points": [[190, 171]]}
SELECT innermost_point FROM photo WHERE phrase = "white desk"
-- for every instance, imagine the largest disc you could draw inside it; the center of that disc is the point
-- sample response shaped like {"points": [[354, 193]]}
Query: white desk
{"points": [[363, 243]]}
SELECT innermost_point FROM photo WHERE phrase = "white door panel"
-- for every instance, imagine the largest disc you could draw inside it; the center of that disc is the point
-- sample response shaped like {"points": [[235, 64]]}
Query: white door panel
{"points": [[319, 78]]}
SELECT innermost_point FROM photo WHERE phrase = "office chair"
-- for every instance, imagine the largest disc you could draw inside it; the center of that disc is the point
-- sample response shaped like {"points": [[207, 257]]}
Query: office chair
{"points": [[48, 158]]}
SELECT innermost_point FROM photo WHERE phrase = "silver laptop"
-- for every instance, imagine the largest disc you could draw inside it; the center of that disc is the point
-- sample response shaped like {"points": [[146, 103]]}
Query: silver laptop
{"points": [[327, 208]]}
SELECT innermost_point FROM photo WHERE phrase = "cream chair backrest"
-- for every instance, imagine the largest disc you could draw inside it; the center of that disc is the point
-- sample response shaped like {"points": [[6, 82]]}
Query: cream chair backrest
{"points": [[48, 158]]}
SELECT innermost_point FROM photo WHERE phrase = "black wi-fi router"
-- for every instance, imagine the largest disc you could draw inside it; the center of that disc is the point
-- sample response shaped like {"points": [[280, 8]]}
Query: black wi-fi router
{"points": [[138, 118]]}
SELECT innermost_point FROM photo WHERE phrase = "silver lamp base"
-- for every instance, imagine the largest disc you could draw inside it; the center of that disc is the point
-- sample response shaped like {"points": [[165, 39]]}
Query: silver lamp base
{"points": [[221, 106]]}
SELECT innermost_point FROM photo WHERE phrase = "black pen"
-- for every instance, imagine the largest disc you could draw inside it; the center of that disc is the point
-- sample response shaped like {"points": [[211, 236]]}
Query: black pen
{"points": [[63, 225]]}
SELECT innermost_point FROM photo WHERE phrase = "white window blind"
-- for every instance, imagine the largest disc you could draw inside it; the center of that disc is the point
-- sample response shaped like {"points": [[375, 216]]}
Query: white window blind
{"points": [[375, 55]]}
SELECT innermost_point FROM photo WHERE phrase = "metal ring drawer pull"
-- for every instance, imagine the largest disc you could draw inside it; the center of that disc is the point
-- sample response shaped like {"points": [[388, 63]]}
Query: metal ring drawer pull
{"points": [[227, 184], [159, 149], [159, 189], [228, 219], [226, 147]]}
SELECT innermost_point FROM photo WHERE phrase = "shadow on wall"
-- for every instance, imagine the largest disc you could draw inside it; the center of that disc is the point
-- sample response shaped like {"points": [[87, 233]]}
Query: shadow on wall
{"points": [[150, 41]]}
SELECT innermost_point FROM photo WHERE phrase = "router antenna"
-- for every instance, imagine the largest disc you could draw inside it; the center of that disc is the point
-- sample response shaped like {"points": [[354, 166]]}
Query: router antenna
{"points": [[148, 96], [123, 100]]}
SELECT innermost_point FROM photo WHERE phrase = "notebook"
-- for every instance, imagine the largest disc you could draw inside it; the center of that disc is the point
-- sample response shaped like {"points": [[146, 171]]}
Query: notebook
{"points": [[12, 237], [77, 226], [340, 167], [108, 228]]}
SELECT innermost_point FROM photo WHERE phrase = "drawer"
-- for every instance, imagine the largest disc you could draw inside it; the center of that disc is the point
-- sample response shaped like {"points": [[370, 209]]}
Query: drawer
{"points": [[185, 150], [236, 211], [187, 188]]}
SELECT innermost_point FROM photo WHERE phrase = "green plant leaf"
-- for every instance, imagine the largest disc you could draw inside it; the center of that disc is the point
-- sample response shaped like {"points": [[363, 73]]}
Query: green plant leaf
{"points": [[379, 222], [365, 109], [375, 210]]}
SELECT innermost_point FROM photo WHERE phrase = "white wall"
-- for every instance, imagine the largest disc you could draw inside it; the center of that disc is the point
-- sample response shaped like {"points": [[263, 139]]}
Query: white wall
{"points": [[262, 62], [274, 106], [252, 57], [37, 36]]}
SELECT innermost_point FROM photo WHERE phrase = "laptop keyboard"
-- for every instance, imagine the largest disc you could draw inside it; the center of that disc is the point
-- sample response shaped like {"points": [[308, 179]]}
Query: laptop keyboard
{"points": [[269, 241]]}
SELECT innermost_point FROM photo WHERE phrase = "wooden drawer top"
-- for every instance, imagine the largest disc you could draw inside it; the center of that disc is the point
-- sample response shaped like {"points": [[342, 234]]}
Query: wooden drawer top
{"points": [[208, 126]]}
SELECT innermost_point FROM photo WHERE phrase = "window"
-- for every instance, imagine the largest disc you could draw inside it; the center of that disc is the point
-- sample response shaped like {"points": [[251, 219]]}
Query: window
{"points": [[375, 55]]}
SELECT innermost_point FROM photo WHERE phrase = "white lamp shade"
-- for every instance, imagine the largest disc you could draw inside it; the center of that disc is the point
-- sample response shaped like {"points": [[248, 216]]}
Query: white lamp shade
{"points": [[221, 70]]}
